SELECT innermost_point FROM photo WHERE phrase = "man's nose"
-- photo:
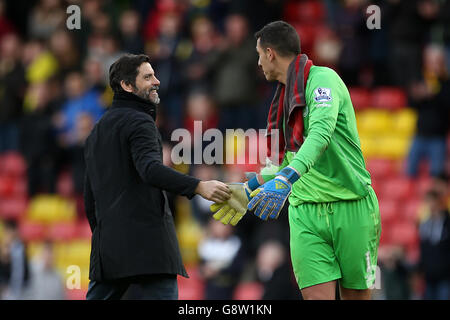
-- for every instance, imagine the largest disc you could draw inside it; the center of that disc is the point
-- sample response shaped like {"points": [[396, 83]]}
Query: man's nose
{"points": [[156, 82]]}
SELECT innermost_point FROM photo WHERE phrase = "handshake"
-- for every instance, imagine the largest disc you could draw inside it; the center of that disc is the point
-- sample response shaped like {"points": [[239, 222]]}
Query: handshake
{"points": [[266, 200]]}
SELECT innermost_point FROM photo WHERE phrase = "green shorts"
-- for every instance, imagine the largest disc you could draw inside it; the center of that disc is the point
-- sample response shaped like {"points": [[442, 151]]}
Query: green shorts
{"points": [[335, 240]]}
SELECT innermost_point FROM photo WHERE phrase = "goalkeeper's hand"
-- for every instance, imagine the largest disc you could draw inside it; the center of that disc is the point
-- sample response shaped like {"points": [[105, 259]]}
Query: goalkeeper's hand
{"points": [[267, 201], [232, 211]]}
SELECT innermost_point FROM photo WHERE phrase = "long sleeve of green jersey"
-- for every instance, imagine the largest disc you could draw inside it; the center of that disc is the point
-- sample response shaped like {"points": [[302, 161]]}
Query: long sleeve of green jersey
{"points": [[322, 103], [330, 161]]}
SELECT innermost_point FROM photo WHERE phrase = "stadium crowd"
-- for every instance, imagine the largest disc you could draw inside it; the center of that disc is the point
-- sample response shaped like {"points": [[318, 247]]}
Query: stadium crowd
{"points": [[54, 87]]}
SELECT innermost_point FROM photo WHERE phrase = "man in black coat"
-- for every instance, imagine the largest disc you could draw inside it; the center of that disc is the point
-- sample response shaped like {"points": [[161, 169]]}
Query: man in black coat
{"points": [[434, 233], [133, 232]]}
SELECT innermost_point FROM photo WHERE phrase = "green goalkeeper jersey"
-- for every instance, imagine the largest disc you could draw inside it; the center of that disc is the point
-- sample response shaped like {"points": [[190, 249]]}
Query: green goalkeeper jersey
{"points": [[330, 160]]}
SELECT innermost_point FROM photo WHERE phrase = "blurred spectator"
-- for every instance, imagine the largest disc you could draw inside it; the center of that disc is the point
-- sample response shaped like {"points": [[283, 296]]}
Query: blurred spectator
{"points": [[197, 66], [234, 81], [143, 7], [431, 98], [440, 185], [352, 30], [327, 49], [39, 62], [65, 51], [46, 17], [395, 273], [79, 100], [74, 122], [221, 261], [101, 24], [200, 107], [84, 125], [94, 74], [109, 52], [102, 43], [91, 9], [409, 25], [161, 7], [130, 38], [435, 248], [12, 90], [14, 263], [45, 281], [38, 139], [163, 51], [274, 270]]}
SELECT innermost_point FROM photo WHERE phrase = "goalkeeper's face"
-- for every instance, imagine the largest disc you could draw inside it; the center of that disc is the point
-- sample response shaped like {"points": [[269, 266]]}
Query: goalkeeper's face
{"points": [[147, 84], [265, 62]]}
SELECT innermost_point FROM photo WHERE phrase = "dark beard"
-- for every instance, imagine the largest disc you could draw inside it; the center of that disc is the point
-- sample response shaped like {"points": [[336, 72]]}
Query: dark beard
{"points": [[145, 94]]}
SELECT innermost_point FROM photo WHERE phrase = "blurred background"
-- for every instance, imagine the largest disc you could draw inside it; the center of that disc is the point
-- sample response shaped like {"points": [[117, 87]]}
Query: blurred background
{"points": [[54, 87]]}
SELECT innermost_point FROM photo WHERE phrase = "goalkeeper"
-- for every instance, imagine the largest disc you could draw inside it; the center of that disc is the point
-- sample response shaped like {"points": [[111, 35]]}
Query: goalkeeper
{"points": [[334, 216]]}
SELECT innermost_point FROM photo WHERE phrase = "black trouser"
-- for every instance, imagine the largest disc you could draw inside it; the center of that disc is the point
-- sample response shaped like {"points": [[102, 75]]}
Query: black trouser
{"points": [[151, 287]]}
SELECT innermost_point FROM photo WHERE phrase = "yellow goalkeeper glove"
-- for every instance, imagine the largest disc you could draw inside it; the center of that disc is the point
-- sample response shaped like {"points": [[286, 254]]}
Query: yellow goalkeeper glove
{"points": [[231, 211]]}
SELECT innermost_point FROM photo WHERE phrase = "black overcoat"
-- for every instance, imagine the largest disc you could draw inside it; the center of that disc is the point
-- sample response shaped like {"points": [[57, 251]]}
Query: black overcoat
{"points": [[133, 230]]}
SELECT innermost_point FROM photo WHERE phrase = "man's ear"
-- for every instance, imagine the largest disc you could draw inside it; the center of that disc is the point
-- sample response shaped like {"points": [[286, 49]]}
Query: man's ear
{"points": [[126, 87], [270, 53]]}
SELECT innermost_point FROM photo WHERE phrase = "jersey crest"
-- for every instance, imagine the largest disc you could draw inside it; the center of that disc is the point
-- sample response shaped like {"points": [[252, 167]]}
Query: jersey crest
{"points": [[322, 95]]}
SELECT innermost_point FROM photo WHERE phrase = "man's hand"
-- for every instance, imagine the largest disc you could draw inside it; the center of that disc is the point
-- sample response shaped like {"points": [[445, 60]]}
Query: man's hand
{"points": [[231, 211], [213, 190], [270, 198]]}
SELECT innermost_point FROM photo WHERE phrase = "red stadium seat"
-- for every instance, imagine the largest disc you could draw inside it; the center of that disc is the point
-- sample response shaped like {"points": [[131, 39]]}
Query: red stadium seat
{"points": [[422, 185], [424, 168], [413, 254], [404, 234], [76, 294], [65, 185], [361, 98], [20, 188], [398, 188], [390, 98], [309, 33], [6, 186], [13, 208], [389, 210], [375, 185], [192, 288], [11, 186], [410, 210], [385, 231], [248, 291], [380, 168], [13, 164], [32, 231], [63, 231], [304, 11], [84, 230]]}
